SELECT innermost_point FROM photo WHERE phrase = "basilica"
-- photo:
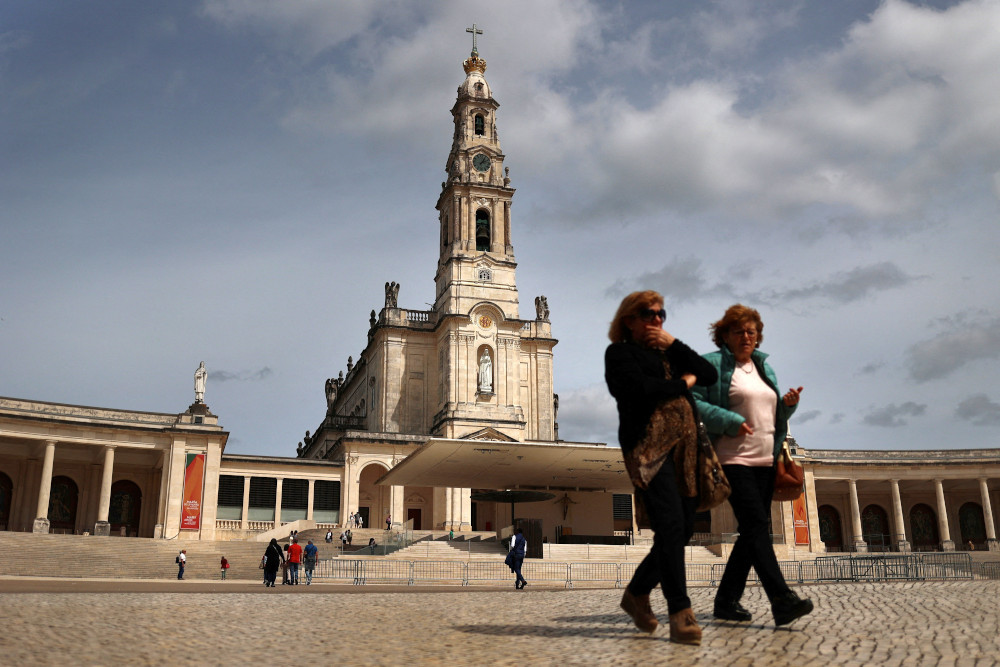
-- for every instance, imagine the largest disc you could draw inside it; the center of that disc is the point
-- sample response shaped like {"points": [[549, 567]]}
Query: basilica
{"points": [[447, 421]]}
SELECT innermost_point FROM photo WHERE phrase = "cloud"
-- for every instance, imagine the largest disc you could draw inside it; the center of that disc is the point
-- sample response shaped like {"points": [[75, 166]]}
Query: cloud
{"points": [[871, 368], [588, 414], [242, 376], [803, 416], [979, 410], [963, 343], [892, 416], [679, 281], [837, 417], [847, 286]]}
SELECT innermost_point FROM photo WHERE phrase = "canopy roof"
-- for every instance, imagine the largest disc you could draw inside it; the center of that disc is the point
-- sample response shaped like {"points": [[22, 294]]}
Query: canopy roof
{"points": [[491, 464]]}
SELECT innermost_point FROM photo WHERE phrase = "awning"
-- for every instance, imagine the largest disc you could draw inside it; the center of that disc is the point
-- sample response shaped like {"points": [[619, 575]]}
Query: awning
{"points": [[490, 464]]}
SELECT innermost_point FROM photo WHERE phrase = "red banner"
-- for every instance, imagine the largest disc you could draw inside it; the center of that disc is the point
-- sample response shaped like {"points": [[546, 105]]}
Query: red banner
{"points": [[194, 480], [800, 521]]}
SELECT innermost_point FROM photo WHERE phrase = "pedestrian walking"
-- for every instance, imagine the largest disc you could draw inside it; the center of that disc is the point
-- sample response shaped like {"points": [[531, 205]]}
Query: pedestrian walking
{"points": [[273, 559], [224, 565], [294, 558], [181, 561], [310, 557], [518, 546]]}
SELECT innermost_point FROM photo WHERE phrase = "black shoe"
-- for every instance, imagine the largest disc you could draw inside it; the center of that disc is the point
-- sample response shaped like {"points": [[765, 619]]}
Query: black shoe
{"points": [[730, 611], [788, 607]]}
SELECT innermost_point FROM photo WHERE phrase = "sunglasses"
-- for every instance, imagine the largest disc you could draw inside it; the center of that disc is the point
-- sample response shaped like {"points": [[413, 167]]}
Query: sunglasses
{"points": [[647, 314]]}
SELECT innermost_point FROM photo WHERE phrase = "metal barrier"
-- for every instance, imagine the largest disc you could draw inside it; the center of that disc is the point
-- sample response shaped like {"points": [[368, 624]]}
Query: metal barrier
{"points": [[989, 570], [593, 572], [533, 570], [946, 566], [487, 571], [452, 572]]}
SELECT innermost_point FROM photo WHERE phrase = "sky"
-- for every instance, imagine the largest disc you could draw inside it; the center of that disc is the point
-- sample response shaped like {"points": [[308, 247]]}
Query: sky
{"points": [[234, 181]]}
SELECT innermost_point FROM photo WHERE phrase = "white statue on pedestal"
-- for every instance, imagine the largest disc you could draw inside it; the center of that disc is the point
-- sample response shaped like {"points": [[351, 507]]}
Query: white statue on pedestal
{"points": [[200, 376], [485, 373]]}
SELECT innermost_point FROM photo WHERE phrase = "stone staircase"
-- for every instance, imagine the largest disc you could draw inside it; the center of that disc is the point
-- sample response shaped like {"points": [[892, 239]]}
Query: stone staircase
{"points": [[618, 553]]}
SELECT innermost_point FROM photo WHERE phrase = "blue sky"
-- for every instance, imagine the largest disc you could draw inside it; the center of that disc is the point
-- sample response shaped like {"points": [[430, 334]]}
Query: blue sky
{"points": [[234, 182]]}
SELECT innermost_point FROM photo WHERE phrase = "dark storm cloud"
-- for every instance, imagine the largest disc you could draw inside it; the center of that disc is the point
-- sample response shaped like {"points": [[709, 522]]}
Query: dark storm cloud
{"points": [[806, 416], [847, 286], [892, 415], [964, 342], [872, 368], [242, 376], [680, 281], [979, 410]]}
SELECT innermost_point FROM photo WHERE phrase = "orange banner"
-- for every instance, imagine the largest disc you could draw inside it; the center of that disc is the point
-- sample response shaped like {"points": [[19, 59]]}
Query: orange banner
{"points": [[800, 521], [194, 479]]}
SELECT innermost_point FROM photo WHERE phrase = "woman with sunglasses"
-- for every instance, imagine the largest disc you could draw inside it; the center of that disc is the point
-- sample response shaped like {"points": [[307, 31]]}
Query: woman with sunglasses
{"points": [[747, 419], [650, 374]]}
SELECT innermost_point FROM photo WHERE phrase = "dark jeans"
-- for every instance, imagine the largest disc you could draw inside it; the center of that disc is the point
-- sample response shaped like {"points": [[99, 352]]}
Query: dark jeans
{"points": [[672, 520], [517, 562], [180, 570], [752, 488]]}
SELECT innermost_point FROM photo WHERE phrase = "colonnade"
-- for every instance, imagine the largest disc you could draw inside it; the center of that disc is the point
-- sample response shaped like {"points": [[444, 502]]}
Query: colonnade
{"points": [[101, 527]]}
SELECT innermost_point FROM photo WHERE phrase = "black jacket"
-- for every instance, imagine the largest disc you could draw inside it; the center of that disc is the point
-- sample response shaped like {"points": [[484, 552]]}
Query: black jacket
{"points": [[636, 379]]}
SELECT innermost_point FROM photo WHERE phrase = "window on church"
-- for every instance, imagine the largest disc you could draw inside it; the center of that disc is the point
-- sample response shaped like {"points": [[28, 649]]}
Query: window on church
{"points": [[480, 125], [479, 89], [482, 230]]}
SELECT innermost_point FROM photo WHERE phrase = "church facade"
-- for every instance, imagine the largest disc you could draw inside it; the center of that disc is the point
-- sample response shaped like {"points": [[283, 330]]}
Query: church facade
{"points": [[442, 408]]}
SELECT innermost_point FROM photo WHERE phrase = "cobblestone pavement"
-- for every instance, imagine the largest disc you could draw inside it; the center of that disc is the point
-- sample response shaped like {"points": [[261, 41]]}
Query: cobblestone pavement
{"points": [[60, 622]]}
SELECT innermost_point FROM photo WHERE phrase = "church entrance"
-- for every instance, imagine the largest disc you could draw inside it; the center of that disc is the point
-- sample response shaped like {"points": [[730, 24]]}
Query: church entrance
{"points": [[63, 499], [123, 514], [413, 514], [373, 501]]}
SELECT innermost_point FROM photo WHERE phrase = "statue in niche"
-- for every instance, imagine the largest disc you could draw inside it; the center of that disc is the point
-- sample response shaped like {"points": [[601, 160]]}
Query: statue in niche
{"points": [[541, 308], [485, 372], [331, 392], [200, 376], [391, 294]]}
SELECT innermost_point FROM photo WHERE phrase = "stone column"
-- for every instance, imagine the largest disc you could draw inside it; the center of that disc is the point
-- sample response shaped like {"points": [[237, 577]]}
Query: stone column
{"points": [[102, 527], [816, 544], [897, 512], [44, 489], [398, 510], [245, 515], [175, 491], [309, 502], [857, 539], [465, 501], [946, 543], [277, 502], [991, 532]]}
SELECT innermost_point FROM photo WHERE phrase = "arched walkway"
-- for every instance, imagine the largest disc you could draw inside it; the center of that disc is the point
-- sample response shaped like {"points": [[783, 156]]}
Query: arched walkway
{"points": [[972, 524], [373, 501], [875, 528]]}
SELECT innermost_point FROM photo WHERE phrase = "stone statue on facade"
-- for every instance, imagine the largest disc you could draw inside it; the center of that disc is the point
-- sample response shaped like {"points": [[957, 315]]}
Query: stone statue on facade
{"points": [[485, 373], [331, 392], [298, 450], [541, 308], [371, 320], [200, 376], [350, 364], [391, 294]]}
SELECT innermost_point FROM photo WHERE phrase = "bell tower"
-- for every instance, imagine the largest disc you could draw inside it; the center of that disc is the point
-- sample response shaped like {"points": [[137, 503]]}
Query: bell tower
{"points": [[476, 261]]}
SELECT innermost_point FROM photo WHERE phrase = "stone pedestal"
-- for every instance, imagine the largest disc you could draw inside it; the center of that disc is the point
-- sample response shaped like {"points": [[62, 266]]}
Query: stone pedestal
{"points": [[992, 544], [861, 547], [948, 545], [903, 547], [157, 531], [41, 526], [102, 528]]}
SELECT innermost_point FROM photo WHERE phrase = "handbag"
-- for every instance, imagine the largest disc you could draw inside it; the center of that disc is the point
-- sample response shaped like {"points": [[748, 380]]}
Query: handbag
{"points": [[788, 476], [713, 487]]}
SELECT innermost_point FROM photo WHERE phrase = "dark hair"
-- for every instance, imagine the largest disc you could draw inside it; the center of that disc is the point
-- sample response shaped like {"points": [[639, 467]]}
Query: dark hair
{"points": [[735, 315], [630, 307]]}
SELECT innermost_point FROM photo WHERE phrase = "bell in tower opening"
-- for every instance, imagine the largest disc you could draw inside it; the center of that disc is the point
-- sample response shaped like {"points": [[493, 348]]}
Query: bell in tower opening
{"points": [[482, 230]]}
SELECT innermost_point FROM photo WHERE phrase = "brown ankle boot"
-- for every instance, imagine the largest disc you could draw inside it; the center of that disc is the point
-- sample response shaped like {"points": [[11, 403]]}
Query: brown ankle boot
{"points": [[637, 606], [684, 628]]}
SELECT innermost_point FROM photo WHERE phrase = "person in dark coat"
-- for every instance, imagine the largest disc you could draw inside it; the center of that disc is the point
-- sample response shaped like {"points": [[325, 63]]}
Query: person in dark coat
{"points": [[273, 558], [650, 374]]}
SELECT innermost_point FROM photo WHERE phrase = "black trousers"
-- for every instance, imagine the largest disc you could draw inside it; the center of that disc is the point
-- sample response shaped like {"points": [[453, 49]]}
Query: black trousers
{"points": [[672, 520], [752, 488]]}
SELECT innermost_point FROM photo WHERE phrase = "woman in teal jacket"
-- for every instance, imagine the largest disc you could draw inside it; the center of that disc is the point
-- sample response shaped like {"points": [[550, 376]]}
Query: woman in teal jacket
{"points": [[747, 419]]}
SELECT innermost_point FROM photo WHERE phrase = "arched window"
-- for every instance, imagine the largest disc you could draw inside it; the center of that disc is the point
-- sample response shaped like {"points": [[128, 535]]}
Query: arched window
{"points": [[829, 528], [923, 528], [972, 524], [482, 230], [63, 500], [480, 125], [6, 496], [126, 502], [875, 528]]}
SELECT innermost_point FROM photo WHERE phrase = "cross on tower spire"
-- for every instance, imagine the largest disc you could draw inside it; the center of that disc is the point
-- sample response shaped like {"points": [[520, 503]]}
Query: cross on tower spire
{"points": [[475, 31]]}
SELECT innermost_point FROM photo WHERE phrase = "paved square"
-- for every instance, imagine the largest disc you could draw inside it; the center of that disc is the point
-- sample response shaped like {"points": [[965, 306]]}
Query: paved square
{"points": [[154, 623]]}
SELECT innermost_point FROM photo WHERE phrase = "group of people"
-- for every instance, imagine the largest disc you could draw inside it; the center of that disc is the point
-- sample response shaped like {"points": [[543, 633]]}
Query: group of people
{"points": [[355, 519], [289, 559], [663, 389]]}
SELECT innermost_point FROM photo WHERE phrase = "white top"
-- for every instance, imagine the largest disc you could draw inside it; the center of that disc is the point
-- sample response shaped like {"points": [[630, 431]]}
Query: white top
{"points": [[751, 398], [183, 557], [514, 537]]}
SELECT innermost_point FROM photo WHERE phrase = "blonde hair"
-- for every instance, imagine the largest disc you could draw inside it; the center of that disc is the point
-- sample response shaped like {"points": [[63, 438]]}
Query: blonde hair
{"points": [[630, 307], [735, 315]]}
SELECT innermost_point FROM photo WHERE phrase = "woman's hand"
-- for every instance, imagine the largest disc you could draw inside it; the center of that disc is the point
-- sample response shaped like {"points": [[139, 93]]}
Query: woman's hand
{"points": [[657, 338], [792, 397], [745, 429], [690, 379]]}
